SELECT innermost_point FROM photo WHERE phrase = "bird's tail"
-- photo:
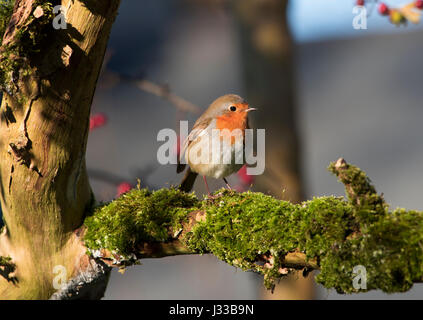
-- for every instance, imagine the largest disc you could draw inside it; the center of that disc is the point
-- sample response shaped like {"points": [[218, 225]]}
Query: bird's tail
{"points": [[188, 181]]}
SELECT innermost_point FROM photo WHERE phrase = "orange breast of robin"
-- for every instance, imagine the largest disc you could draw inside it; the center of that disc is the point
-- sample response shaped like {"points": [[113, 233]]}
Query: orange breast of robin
{"points": [[232, 121]]}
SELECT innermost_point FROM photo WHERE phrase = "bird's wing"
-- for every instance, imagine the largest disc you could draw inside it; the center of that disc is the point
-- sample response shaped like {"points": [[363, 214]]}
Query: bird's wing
{"points": [[199, 129]]}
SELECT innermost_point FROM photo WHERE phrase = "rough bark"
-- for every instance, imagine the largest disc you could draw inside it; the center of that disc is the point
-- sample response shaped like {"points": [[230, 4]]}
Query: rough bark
{"points": [[45, 191]]}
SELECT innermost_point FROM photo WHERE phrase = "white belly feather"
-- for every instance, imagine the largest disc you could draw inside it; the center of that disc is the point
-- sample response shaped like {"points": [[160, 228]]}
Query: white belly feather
{"points": [[218, 167]]}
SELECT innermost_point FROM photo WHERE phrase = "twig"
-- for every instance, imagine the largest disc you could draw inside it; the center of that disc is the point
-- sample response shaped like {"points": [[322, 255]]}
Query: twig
{"points": [[162, 91]]}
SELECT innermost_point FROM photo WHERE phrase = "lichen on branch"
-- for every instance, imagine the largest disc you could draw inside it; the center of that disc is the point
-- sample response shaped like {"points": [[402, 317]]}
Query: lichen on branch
{"points": [[139, 216], [254, 231], [23, 36], [6, 9]]}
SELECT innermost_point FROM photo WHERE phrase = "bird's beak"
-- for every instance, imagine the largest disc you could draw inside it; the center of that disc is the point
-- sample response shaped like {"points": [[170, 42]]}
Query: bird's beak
{"points": [[250, 109]]}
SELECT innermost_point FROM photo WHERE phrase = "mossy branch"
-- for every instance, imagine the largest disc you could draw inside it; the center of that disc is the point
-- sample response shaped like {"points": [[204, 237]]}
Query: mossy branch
{"points": [[257, 232]]}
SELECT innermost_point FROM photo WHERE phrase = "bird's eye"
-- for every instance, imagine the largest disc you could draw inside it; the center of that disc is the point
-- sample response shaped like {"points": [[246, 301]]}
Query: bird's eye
{"points": [[232, 108]]}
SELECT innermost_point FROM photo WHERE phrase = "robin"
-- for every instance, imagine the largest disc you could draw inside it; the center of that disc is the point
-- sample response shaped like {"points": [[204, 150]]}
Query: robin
{"points": [[229, 114]]}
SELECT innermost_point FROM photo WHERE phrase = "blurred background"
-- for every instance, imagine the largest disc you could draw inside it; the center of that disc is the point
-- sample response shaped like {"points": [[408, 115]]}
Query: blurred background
{"points": [[323, 89]]}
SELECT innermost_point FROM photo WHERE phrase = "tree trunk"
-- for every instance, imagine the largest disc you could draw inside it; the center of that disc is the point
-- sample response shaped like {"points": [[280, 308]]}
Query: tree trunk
{"points": [[45, 110]]}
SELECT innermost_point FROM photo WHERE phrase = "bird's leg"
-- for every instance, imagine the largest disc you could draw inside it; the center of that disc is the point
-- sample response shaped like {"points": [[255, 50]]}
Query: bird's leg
{"points": [[227, 184], [207, 186]]}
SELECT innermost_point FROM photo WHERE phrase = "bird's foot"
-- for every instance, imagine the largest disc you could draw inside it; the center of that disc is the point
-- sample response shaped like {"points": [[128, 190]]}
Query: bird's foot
{"points": [[227, 185], [213, 196]]}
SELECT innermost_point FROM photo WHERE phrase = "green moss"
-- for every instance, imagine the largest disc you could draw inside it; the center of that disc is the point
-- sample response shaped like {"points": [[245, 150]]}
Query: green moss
{"points": [[136, 217], [248, 229], [390, 249], [27, 41], [6, 9], [368, 204], [242, 227]]}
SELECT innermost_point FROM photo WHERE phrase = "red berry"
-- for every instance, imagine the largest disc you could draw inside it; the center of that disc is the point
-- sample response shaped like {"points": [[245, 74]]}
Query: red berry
{"points": [[97, 120], [245, 177], [383, 9], [360, 2], [123, 188], [100, 119], [419, 4]]}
